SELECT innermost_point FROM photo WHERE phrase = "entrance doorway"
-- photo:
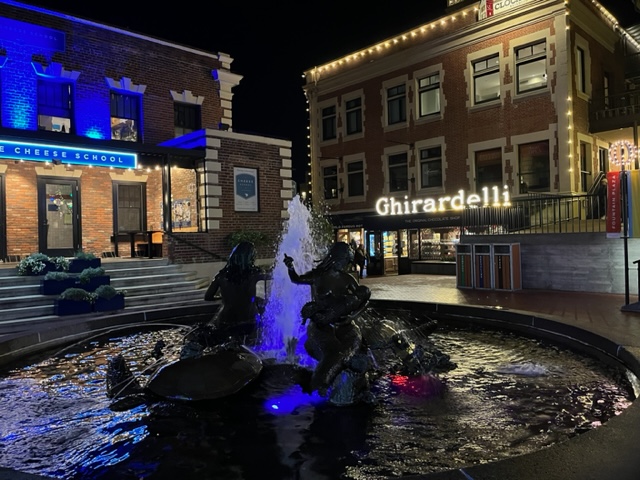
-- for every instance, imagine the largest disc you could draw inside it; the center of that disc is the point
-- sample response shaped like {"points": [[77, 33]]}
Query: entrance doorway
{"points": [[58, 216]]}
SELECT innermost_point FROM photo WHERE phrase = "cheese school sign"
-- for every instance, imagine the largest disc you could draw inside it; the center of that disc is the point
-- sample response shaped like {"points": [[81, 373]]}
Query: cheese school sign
{"points": [[79, 156]]}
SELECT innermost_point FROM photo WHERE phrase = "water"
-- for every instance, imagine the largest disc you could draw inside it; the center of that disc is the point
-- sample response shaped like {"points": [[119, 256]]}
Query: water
{"points": [[281, 321], [508, 396]]}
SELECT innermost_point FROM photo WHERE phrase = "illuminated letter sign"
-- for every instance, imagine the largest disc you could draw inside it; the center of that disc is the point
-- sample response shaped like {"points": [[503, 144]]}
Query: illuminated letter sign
{"points": [[29, 34], [488, 197], [76, 156]]}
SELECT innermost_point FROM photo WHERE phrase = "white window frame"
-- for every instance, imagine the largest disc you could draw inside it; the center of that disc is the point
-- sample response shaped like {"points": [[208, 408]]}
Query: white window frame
{"points": [[349, 162], [424, 85], [386, 86], [582, 76], [486, 68], [335, 193], [527, 56]]}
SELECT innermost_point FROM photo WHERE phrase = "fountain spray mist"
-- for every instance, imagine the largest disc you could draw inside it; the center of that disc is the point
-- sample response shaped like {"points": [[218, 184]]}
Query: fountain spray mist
{"points": [[281, 321]]}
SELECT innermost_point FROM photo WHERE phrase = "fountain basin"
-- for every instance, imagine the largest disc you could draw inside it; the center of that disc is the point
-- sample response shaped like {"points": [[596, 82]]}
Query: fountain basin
{"points": [[609, 449]]}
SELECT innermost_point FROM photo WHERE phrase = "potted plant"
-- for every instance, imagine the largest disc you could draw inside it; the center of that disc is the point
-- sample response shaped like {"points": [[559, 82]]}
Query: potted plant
{"points": [[73, 301], [91, 278], [54, 283], [34, 264], [82, 260], [57, 264], [107, 298]]}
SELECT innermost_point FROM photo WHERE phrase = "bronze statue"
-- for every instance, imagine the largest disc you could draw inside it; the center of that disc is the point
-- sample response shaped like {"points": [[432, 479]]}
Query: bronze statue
{"points": [[333, 338], [236, 281]]}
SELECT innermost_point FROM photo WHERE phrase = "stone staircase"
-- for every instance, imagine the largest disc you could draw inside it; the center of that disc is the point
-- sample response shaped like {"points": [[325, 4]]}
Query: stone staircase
{"points": [[150, 283]]}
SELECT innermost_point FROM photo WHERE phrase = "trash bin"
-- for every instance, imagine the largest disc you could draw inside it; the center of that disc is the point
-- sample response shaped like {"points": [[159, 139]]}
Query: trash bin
{"points": [[482, 267], [464, 266], [506, 267]]}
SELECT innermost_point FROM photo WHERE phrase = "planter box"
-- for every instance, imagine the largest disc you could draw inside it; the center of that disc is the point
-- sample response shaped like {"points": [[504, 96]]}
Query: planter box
{"points": [[105, 305], [71, 307], [51, 267], [76, 265], [56, 287], [94, 283]]}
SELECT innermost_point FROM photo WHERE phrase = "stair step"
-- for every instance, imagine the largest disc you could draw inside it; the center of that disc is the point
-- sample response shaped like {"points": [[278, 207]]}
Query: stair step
{"points": [[148, 282]]}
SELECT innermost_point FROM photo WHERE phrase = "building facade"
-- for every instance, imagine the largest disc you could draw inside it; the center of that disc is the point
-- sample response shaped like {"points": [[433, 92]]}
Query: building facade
{"points": [[492, 102], [116, 143]]}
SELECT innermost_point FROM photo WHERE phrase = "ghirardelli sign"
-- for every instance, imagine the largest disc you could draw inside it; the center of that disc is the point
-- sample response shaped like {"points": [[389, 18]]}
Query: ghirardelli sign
{"points": [[489, 8]]}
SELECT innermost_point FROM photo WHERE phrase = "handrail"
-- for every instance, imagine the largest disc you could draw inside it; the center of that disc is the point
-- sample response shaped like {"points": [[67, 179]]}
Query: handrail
{"points": [[581, 213], [197, 247]]}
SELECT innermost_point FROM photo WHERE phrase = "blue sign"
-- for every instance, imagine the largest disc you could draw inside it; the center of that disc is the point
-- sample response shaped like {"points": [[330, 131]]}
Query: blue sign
{"points": [[77, 156], [29, 34], [246, 185]]}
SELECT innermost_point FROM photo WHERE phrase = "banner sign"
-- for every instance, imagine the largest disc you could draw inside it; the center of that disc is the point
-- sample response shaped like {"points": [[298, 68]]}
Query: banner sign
{"points": [[245, 182], [614, 202], [75, 155], [633, 203]]}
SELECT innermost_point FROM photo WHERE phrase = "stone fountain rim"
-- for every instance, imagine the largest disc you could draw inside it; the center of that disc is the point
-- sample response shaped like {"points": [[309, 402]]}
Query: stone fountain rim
{"points": [[609, 451]]}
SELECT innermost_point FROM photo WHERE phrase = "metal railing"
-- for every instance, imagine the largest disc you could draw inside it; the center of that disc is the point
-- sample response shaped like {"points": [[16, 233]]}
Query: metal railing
{"points": [[538, 214]]}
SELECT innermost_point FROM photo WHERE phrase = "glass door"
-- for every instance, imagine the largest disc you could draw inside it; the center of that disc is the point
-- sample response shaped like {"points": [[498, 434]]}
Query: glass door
{"points": [[58, 216]]}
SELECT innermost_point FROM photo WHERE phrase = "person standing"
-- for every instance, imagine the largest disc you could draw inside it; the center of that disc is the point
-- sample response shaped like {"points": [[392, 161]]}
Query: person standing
{"points": [[602, 198], [360, 259]]}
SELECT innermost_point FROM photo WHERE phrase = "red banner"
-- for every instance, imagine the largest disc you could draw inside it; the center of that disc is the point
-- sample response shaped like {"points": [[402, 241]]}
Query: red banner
{"points": [[614, 203]]}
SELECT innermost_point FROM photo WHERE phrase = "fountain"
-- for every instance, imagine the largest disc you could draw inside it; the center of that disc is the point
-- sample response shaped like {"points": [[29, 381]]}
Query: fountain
{"points": [[508, 395]]}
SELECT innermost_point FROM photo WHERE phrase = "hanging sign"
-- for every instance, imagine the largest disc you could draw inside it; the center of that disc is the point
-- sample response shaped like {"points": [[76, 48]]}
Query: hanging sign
{"points": [[68, 155]]}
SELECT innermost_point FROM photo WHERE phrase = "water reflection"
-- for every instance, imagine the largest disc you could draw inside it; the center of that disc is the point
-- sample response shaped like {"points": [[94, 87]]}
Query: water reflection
{"points": [[508, 396]]}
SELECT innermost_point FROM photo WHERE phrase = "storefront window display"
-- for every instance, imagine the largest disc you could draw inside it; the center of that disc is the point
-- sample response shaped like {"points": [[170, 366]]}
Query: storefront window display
{"points": [[439, 243]]}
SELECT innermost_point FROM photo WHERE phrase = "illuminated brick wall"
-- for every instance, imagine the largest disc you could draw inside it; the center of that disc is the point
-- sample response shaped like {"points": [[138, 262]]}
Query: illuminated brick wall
{"points": [[97, 54]]}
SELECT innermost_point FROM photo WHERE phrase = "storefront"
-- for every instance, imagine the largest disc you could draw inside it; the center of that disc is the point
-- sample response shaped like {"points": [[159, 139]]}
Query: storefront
{"points": [[396, 242], [111, 199]]}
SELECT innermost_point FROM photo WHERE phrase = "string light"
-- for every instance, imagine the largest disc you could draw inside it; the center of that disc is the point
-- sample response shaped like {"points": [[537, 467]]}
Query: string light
{"points": [[404, 37], [617, 152]]}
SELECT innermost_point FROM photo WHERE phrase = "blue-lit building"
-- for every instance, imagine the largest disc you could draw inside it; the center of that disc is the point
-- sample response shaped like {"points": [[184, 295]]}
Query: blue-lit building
{"points": [[108, 136]]}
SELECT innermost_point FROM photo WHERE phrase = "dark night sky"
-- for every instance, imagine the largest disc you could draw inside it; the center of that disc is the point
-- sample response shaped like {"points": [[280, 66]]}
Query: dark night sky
{"points": [[273, 43]]}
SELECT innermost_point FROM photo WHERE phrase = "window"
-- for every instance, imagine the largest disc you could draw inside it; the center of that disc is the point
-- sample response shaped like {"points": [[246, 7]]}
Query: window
{"points": [[531, 67], [486, 79], [355, 179], [130, 201], [55, 106], [329, 123], [534, 166], [396, 105], [354, 116], [330, 179], [603, 159], [585, 166], [431, 167], [581, 73], [125, 117], [489, 169], [398, 173], [605, 90], [429, 95], [186, 118]]}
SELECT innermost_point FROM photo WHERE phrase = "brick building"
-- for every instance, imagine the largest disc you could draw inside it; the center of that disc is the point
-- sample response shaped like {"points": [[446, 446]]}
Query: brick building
{"points": [[115, 142], [492, 102]]}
